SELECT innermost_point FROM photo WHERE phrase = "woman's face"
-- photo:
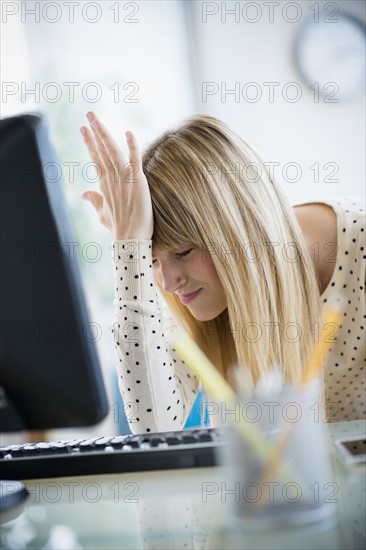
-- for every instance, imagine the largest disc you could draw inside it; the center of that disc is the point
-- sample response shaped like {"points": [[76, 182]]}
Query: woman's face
{"points": [[189, 272]]}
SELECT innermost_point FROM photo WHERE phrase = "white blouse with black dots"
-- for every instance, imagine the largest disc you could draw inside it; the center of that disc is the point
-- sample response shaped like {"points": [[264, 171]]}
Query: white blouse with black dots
{"points": [[346, 363], [158, 389]]}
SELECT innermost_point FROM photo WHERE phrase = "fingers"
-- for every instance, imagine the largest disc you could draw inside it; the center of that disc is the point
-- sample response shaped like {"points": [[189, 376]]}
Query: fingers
{"points": [[98, 203], [106, 153], [135, 156], [100, 158], [108, 148], [98, 141], [95, 198], [91, 146]]}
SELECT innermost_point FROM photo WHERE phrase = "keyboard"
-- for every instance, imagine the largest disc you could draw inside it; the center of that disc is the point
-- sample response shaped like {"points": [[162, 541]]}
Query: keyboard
{"points": [[115, 454]]}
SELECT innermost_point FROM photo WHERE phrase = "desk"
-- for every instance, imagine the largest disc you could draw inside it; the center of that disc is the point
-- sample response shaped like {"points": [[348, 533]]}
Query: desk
{"points": [[168, 510]]}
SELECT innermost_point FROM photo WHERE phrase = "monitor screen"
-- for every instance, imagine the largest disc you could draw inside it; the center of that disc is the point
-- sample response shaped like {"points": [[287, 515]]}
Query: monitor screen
{"points": [[50, 375]]}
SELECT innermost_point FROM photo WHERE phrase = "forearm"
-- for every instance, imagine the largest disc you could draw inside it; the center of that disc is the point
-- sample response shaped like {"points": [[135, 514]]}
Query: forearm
{"points": [[148, 367]]}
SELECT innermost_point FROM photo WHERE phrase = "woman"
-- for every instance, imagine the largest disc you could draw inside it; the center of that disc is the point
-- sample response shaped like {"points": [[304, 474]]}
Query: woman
{"points": [[199, 222]]}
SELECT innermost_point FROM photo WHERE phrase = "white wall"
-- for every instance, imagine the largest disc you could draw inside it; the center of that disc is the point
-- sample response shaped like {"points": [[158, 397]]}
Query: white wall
{"points": [[304, 132]]}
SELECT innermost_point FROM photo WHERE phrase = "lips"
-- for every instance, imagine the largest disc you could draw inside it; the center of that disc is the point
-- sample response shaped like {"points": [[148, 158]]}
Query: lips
{"points": [[186, 298]]}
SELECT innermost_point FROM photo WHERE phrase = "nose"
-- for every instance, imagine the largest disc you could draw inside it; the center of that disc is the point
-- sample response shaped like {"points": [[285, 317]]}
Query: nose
{"points": [[171, 277]]}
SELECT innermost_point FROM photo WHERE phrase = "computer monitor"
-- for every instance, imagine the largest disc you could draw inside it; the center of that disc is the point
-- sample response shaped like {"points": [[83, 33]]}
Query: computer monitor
{"points": [[50, 375]]}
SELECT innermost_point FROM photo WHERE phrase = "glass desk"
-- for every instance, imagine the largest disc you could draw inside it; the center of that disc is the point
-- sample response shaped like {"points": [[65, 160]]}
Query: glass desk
{"points": [[174, 509]]}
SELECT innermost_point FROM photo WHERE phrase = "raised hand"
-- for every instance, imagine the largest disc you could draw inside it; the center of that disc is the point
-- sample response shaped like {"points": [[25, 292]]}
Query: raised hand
{"points": [[124, 202]]}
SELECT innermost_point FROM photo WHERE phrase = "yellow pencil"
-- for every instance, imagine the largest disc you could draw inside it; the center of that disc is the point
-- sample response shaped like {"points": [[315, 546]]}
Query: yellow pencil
{"points": [[219, 389], [330, 319]]}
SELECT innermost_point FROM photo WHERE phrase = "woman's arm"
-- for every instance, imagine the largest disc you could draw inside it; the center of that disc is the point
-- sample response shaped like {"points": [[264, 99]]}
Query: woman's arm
{"points": [[318, 223], [157, 388]]}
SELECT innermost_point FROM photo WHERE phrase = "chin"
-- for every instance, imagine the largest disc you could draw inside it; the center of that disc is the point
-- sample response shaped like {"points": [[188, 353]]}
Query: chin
{"points": [[207, 316]]}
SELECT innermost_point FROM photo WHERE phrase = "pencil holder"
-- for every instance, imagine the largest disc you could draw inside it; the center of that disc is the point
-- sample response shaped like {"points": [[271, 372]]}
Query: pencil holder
{"points": [[293, 483]]}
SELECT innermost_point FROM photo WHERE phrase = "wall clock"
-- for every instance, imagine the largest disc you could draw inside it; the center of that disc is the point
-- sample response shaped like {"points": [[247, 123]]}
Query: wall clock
{"points": [[331, 56]]}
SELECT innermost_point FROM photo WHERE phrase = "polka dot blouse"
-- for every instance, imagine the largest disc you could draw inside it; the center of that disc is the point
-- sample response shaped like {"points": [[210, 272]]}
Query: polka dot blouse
{"points": [[345, 368], [157, 388]]}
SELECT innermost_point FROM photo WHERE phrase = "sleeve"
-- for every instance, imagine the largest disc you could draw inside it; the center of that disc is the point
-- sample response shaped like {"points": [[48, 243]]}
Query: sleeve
{"points": [[157, 388]]}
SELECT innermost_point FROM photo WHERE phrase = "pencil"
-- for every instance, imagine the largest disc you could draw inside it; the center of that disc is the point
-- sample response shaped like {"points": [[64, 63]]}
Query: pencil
{"points": [[219, 389], [331, 317]]}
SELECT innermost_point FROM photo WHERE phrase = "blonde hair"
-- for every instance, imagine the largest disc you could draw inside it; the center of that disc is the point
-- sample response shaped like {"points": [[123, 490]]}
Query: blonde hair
{"points": [[211, 188]]}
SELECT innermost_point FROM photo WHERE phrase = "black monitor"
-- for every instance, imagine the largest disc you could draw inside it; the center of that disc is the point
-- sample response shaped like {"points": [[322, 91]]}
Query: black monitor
{"points": [[50, 375]]}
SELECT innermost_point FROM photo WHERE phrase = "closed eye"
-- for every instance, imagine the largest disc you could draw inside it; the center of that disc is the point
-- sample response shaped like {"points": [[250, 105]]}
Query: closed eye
{"points": [[184, 253], [178, 254]]}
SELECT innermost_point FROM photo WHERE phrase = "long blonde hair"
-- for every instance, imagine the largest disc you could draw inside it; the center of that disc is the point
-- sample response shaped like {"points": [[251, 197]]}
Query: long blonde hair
{"points": [[211, 188]]}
